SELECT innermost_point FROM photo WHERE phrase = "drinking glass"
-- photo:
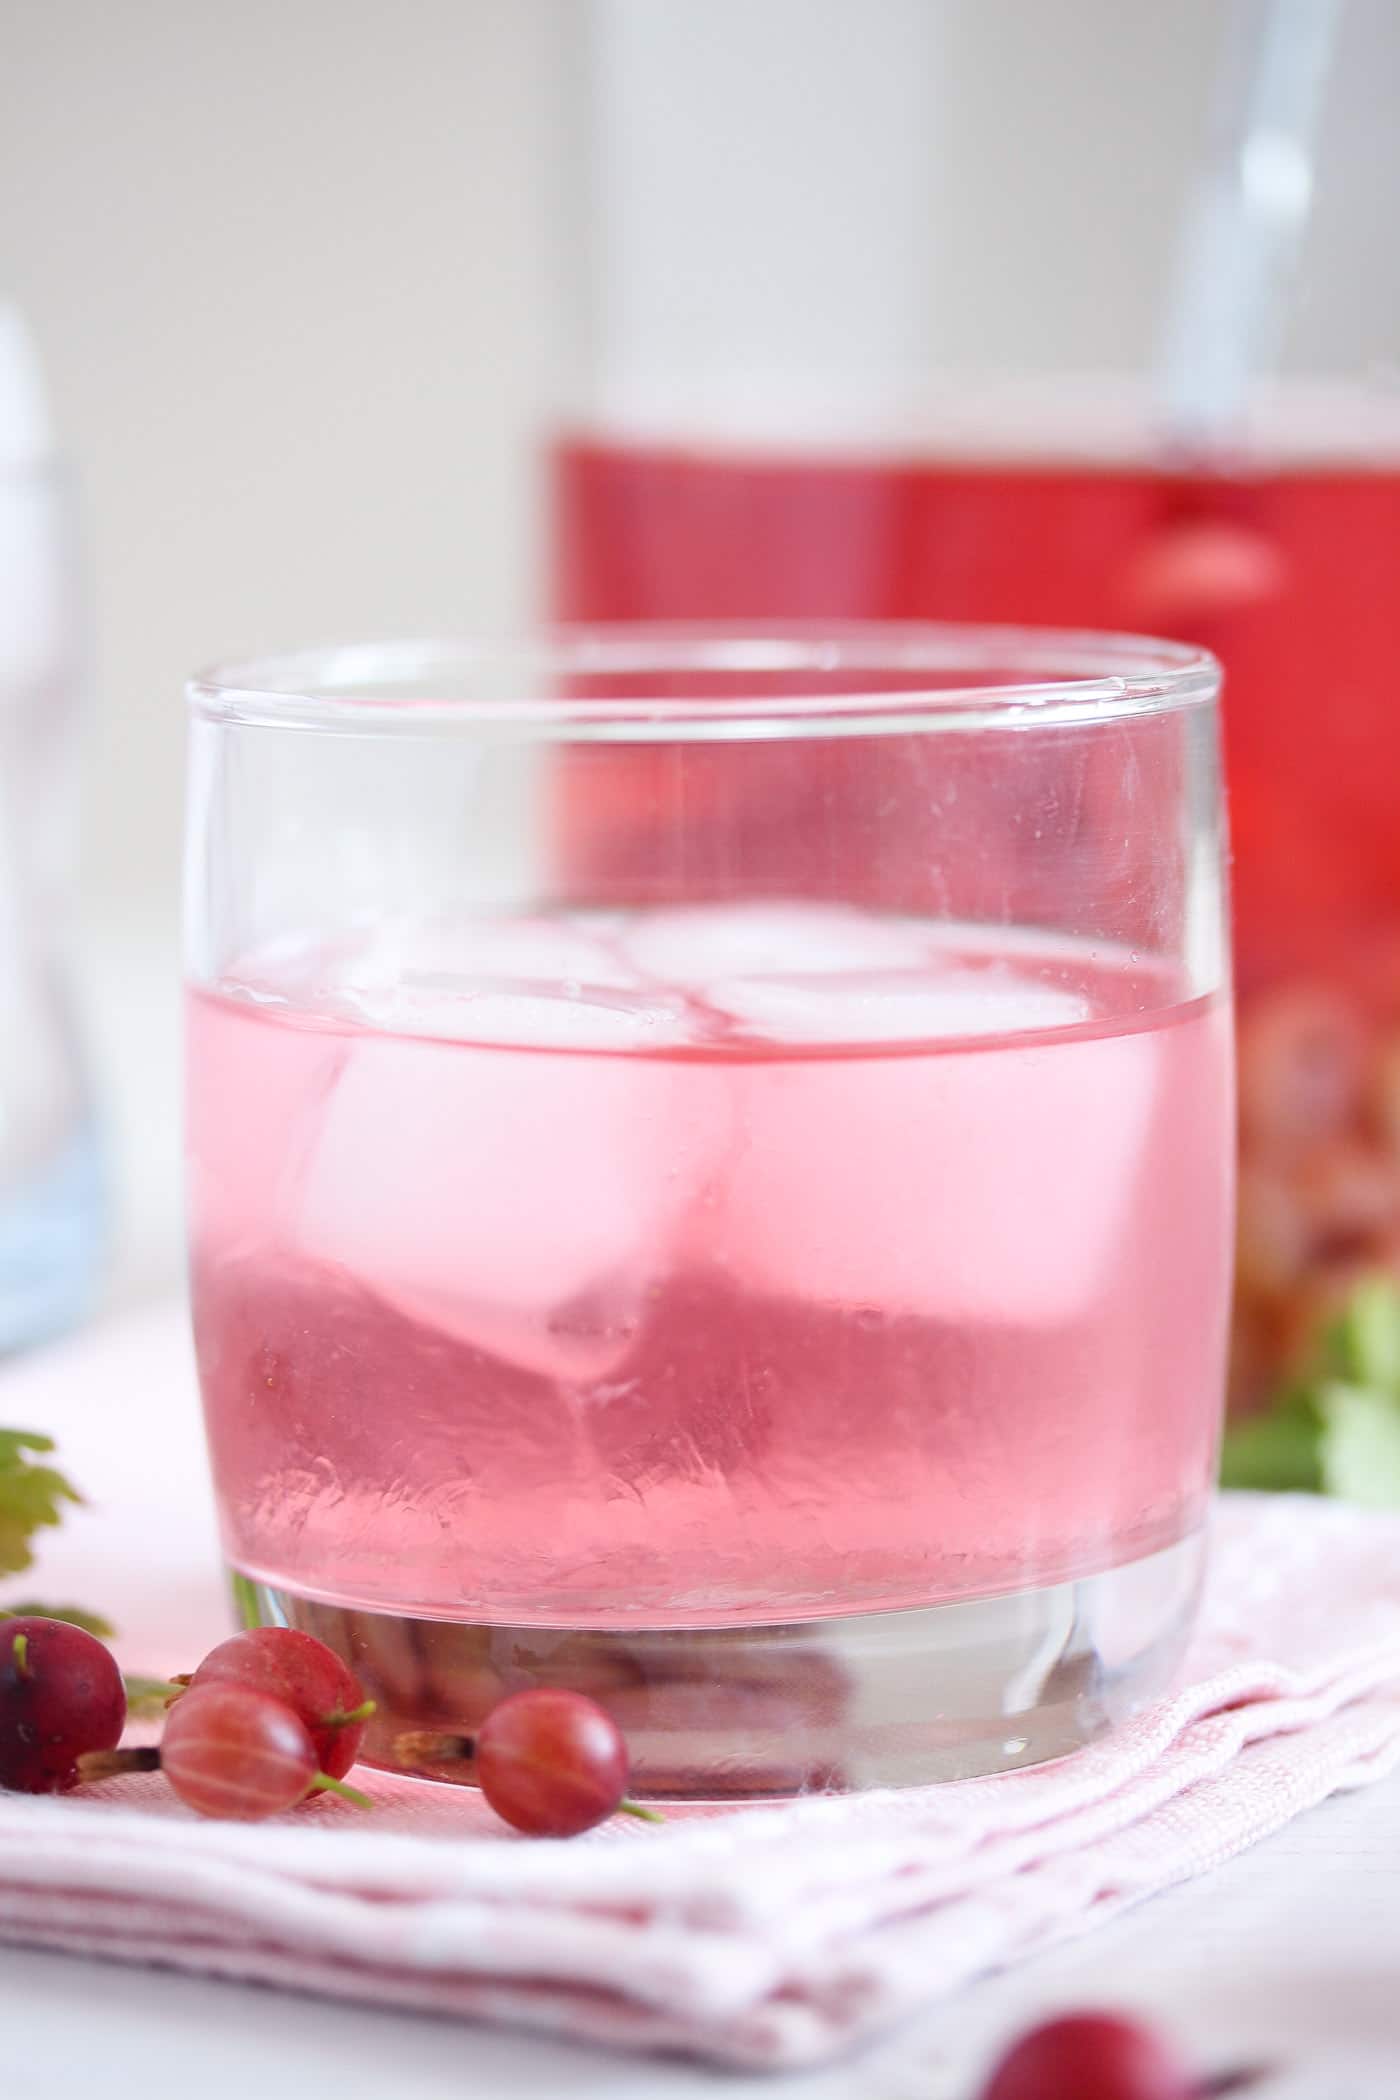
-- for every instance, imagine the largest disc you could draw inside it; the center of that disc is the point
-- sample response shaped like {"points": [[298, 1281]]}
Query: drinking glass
{"points": [[710, 1180]]}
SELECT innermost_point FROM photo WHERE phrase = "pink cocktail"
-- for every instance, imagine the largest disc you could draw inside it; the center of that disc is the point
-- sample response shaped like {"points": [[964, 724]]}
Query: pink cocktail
{"points": [[702, 1287], [799, 1321]]}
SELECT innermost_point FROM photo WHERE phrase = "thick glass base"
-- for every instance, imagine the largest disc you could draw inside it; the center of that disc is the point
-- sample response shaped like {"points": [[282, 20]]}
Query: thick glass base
{"points": [[725, 1713]]}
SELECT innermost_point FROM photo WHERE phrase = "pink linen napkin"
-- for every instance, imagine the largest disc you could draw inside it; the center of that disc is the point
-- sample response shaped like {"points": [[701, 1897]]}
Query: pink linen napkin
{"points": [[766, 1937]]}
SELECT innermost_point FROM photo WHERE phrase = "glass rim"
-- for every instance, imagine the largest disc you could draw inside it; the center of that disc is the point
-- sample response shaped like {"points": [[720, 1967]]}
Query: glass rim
{"points": [[1030, 676]]}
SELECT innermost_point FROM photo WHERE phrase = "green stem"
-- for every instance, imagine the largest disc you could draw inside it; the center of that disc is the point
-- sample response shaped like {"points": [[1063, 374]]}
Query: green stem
{"points": [[324, 1784], [19, 1649], [341, 1719], [643, 1815]]}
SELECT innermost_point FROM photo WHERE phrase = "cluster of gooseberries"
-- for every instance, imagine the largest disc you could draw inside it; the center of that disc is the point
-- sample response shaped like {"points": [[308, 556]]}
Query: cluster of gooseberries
{"points": [[269, 1717], [272, 1716]]}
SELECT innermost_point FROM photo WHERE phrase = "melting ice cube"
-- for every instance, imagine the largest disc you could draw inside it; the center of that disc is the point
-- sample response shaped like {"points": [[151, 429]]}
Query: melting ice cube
{"points": [[696, 945], [516, 1200], [897, 1006], [986, 1180]]}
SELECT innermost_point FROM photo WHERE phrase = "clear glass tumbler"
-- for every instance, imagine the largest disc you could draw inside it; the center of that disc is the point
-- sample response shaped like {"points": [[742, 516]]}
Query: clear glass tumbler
{"points": [[710, 1160]]}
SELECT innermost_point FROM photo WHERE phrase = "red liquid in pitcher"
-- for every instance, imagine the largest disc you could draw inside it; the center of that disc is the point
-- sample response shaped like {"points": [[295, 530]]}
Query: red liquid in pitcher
{"points": [[1286, 571]]}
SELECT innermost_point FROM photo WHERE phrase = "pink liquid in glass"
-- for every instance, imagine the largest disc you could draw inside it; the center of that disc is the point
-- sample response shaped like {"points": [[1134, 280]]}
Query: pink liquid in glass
{"points": [[706, 1265]]}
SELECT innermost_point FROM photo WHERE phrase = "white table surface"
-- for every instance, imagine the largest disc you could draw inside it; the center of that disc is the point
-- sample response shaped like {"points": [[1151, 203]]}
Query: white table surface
{"points": [[1291, 1954]]}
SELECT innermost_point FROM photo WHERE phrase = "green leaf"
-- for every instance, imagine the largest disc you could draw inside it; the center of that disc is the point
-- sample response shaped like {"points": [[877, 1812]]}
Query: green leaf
{"points": [[15, 1442], [1338, 1433], [1366, 1339], [1281, 1450], [245, 1599], [70, 1614], [30, 1496], [1360, 1445]]}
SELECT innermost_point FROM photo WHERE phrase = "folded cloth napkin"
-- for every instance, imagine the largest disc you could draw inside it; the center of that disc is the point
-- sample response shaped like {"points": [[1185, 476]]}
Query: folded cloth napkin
{"points": [[765, 1937]]}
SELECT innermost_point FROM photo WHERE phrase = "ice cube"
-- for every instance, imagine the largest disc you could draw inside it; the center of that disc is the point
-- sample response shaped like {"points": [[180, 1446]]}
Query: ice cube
{"points": [[565, 1020], [516, 1200], [978, 1183], [892, 1007], [568, 948], [690, 946], [419, 978]]}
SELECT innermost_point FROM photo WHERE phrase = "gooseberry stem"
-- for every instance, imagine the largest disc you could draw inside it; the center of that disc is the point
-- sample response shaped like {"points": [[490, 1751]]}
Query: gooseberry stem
{"points": [[340, 1719], [110, 1764], [324, 1784]]}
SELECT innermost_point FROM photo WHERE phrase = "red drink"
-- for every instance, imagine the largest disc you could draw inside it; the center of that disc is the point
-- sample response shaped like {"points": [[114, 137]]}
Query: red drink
{"points": [[715, 1264]]}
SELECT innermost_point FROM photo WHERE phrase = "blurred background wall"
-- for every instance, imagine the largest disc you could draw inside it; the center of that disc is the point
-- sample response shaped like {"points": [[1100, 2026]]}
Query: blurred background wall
{"points": [[310, 277], [291, 265]]}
